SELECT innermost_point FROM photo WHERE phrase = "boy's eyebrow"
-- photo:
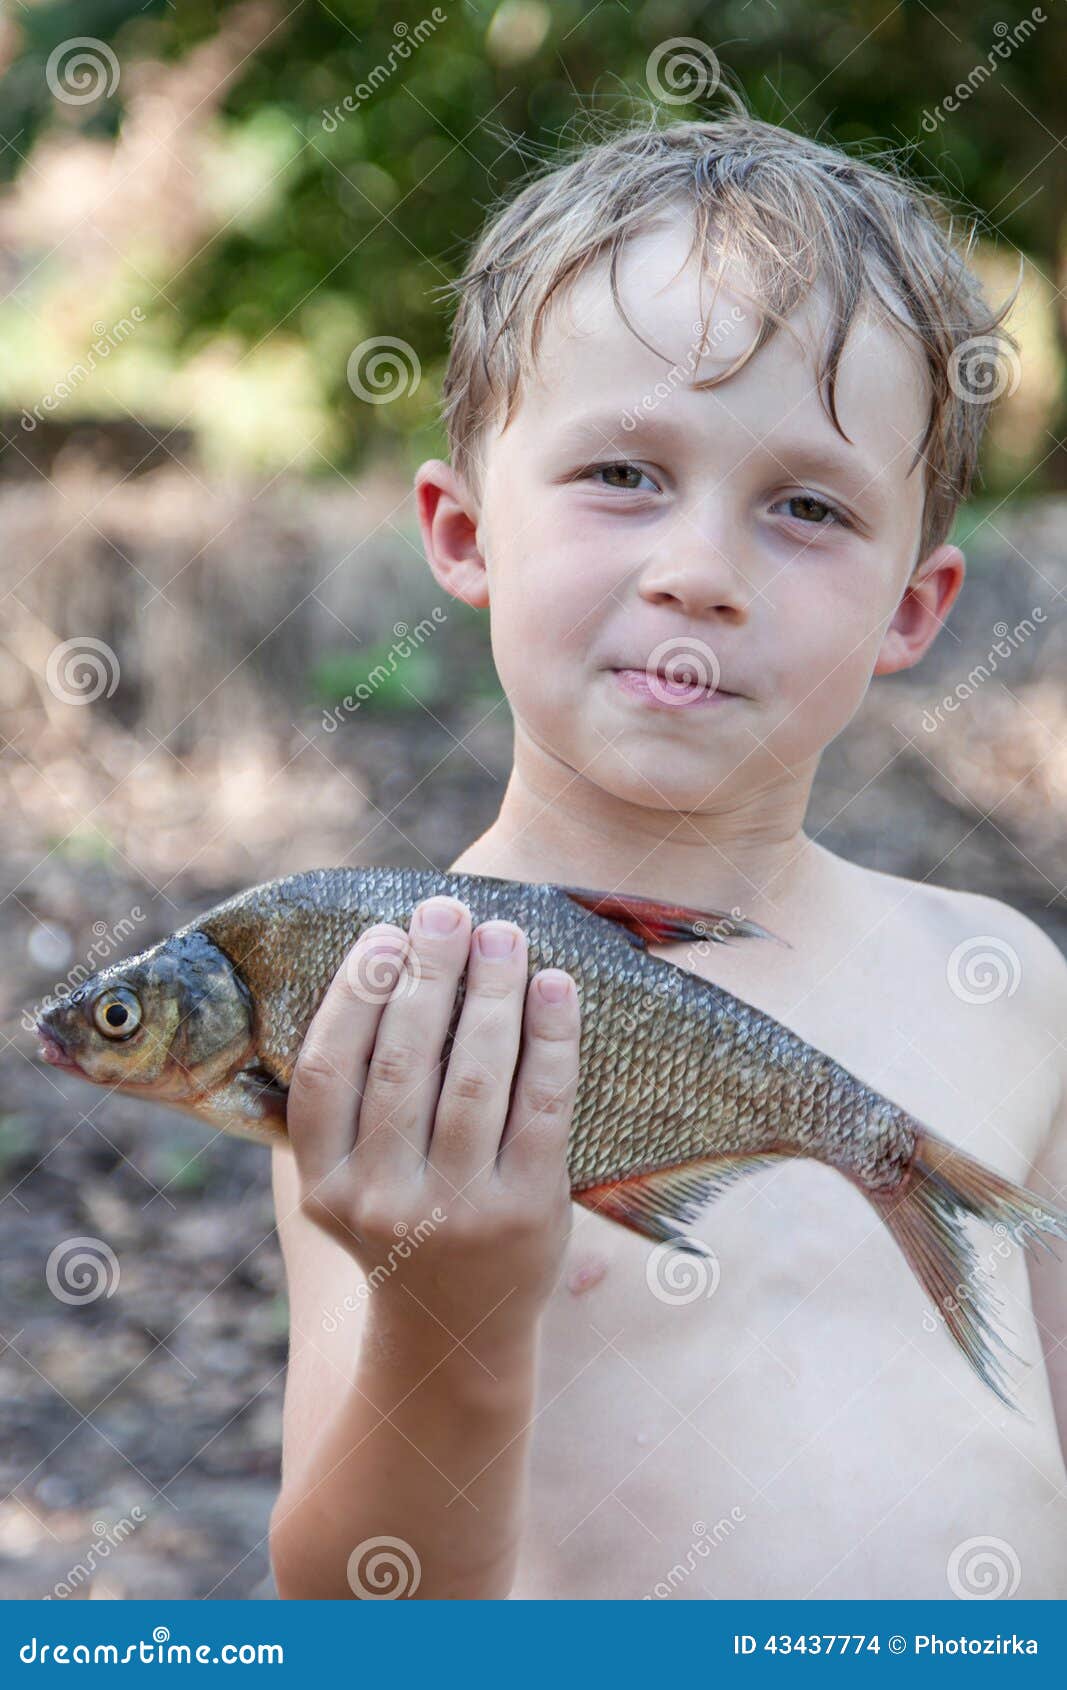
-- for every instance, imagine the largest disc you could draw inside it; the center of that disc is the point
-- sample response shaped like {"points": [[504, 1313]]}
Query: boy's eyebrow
{"points": [[612, 428]]}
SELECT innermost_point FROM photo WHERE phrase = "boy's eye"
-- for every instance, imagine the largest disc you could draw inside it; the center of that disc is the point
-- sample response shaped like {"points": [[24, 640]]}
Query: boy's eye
{"points": [[629, 476], [816, 512]]}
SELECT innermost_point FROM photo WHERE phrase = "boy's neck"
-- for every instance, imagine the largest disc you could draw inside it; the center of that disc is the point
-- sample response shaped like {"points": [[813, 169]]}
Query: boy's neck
{"points": [[554, 825]]}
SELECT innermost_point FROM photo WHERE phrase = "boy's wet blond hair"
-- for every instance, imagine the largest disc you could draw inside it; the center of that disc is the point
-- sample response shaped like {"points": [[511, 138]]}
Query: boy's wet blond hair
{"points": [[793, 212]]}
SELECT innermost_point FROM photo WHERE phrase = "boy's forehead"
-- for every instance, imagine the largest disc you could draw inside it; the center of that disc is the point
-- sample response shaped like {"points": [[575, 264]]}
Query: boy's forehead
{"points": [[590, 363]]}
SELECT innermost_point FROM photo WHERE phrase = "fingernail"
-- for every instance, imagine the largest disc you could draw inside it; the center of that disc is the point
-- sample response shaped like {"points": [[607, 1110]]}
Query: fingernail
{"points": [[438, 916], [496, 941], [554, 987]]}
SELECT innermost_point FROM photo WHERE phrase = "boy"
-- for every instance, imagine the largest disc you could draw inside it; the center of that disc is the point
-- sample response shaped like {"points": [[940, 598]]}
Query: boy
{"points": [[697, 549]]}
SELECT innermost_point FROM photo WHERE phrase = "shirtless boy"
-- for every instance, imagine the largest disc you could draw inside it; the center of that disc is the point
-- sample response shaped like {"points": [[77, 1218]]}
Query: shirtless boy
{"points": [[650, 503]]}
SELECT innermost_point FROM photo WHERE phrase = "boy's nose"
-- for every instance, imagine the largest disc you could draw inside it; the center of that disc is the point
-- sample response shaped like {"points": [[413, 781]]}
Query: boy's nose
{"points": [[696, 576]]}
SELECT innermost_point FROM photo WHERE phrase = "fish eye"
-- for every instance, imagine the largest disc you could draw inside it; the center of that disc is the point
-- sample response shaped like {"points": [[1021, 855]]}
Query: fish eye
{"points": [[117, 1013]]}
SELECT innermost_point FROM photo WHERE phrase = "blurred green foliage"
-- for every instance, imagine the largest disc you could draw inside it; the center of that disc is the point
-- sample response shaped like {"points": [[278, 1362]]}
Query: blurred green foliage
{"points": [[355, 220]]}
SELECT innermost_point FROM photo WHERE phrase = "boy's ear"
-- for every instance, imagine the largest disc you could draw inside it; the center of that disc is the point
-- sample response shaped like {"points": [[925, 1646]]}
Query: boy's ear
{"points": [[918, 618], [448, 519]]}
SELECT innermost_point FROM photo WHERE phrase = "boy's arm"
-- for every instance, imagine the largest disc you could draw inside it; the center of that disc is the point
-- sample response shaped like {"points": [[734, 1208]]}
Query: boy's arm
{"points": [[423, 1216], [384, 1422]]}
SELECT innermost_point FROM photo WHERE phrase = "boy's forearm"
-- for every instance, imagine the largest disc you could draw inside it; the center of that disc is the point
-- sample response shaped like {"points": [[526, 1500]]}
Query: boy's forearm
{"points": [[429, 1447]]}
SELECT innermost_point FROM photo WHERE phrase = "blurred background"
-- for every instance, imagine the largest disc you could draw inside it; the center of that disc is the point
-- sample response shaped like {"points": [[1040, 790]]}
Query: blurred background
{"points": [[226, 231]]}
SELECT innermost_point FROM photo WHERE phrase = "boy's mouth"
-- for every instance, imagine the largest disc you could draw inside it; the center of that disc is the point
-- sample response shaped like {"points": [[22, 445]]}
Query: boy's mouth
{"points": [[668, 692]]}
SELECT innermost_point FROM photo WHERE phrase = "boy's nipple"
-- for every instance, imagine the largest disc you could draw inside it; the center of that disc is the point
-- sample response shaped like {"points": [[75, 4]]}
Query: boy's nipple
{"points": [[588, 1271]]}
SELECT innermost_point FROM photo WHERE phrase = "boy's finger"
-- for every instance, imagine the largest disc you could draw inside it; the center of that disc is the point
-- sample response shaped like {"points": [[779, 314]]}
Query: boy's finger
{"points": [[473, 1104], [534, 1143], [331, 1068], [403, 1077]]}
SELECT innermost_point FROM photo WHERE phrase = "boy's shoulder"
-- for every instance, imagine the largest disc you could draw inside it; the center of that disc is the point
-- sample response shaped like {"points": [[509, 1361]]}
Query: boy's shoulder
{"points": [[992, 951]]}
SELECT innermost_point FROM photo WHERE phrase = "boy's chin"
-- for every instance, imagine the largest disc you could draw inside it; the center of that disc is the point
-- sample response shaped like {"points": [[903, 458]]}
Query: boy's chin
{"points": [[653, 784]]}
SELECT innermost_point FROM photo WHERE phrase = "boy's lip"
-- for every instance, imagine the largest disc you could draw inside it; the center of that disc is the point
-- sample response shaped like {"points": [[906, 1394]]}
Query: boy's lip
{"points": [[671, 692]]}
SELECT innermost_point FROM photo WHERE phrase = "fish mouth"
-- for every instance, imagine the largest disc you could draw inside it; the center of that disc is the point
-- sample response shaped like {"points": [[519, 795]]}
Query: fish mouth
{"points": [[53, 1050]]}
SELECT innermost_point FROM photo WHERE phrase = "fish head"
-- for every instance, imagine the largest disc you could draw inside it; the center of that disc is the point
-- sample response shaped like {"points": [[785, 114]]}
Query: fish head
{"points": [[173, 1023]]}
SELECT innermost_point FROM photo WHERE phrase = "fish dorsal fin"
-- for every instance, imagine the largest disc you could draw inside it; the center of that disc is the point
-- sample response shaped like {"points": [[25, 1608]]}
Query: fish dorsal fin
{"points": [[650, 922], [659, 1204]]}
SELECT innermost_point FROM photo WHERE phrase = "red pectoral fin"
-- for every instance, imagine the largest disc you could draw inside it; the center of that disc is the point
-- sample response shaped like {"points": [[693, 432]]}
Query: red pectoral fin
{"points": [[650, 922]]}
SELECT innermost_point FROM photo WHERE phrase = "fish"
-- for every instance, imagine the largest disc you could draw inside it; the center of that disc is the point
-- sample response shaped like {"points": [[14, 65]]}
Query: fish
{"points": [[683, 1088]]}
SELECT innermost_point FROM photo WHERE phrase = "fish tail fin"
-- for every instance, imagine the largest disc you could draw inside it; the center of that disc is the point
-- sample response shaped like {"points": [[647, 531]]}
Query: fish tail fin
{"points": [[924, 1214]]}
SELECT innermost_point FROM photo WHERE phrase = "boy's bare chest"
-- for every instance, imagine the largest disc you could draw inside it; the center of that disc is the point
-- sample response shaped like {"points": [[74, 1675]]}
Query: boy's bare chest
{"points": [[798, 1381]]}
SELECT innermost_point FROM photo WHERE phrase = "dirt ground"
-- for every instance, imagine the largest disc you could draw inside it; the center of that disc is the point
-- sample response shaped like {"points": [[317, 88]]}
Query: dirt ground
{"points": [[141, 1426]]}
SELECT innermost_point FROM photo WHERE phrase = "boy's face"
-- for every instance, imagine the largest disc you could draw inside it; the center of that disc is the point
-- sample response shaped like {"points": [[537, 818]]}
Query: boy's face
{"points": [[744, 563]]}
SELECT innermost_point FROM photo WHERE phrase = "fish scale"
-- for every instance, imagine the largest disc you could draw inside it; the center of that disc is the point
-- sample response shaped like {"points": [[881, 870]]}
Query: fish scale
{"points": [[682, 1087], [697, 1044]]}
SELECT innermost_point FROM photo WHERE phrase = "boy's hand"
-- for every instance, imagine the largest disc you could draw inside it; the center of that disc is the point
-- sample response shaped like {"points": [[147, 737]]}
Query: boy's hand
{"points": [[459, 1198]]}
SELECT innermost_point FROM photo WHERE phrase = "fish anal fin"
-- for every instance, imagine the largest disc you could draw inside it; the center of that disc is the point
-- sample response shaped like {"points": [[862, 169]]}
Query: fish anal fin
{"points": [[659, 1204], [650, 922]]}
